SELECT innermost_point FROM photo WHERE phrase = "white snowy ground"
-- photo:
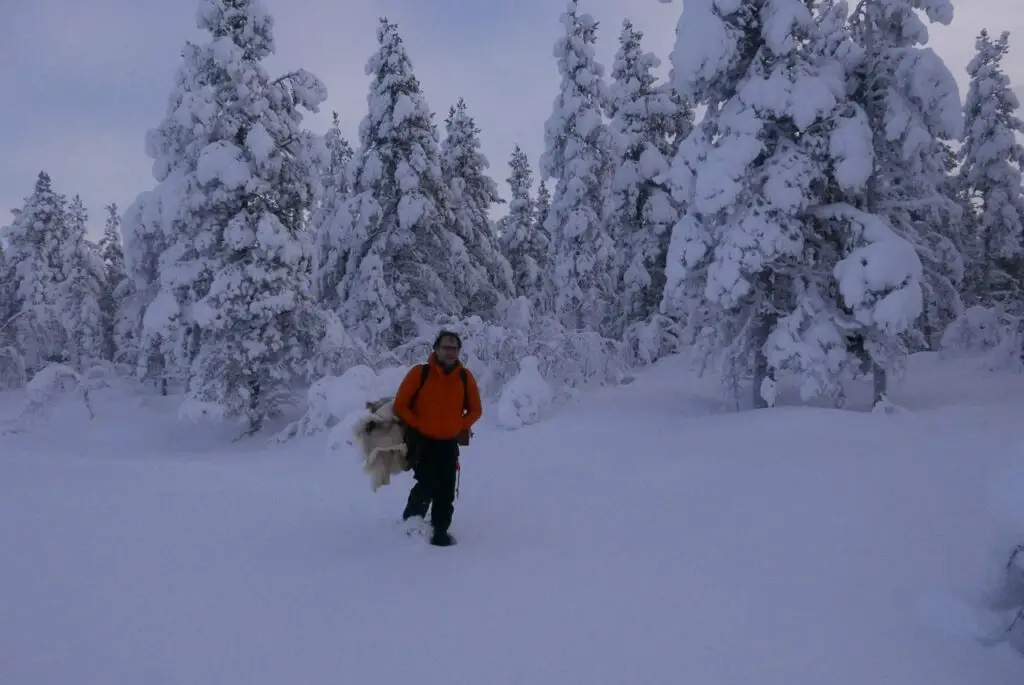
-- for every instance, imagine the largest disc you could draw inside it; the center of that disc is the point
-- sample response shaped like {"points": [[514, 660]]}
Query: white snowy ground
{"points": [[642, 536]]}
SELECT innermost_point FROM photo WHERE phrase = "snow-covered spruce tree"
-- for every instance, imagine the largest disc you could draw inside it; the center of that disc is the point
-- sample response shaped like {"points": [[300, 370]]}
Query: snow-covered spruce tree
{"points": [[646, 122], [116, 334], [581, 285], [990, 177], [771, 263], [34, 323], [235, 279], [149, 328], [5, 296], [82, 288], [12, 362], [403, 269], [524, 243], [488, 284], [324, 223], [914, 109], [541, 209]]}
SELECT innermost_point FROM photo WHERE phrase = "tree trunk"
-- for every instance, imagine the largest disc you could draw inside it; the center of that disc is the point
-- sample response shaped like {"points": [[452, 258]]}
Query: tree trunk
{"points": [[255, 413], [766, 321], [763, 329], [927, 329], [881, 383]]}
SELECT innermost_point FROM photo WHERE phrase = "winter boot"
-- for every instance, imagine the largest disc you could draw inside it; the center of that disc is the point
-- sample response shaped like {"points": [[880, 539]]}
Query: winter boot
{"points": [[441, 538]]}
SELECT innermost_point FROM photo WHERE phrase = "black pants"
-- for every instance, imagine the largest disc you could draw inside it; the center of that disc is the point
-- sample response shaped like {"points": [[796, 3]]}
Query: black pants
{"points": [[435, 475]]}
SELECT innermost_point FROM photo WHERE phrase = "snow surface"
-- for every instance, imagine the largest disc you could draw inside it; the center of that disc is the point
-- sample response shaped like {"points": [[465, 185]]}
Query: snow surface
{"points": [[639, 536]]}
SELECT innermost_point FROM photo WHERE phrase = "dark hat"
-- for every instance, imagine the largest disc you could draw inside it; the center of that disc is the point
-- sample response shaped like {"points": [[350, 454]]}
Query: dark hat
{"points": [[447, 334]]}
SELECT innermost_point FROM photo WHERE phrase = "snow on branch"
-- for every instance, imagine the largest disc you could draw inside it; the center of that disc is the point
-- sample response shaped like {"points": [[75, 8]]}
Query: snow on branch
{"points": [[880, 280]]}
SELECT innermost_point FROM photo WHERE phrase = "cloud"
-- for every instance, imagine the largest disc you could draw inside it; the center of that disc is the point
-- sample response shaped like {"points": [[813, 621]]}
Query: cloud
{"points": [[91, 77]]}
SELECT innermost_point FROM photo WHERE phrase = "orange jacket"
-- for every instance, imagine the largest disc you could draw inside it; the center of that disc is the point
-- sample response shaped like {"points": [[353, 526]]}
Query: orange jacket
{"points": [[438, 412]]}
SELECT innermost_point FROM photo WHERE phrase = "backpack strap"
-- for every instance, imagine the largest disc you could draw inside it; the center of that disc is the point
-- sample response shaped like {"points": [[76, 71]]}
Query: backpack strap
{"points": [[424, 372], [465, 388]]}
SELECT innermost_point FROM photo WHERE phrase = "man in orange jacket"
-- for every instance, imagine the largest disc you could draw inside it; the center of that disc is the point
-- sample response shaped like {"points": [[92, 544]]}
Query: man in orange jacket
{"points": [[439, 402]]}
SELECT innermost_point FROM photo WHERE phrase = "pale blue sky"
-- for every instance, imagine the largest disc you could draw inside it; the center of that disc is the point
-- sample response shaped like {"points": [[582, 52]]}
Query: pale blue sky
{"points": [[84, 80]]}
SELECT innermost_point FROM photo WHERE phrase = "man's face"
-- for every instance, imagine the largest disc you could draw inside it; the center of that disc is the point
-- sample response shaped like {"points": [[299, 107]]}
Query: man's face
{"points": [[448, 351]]}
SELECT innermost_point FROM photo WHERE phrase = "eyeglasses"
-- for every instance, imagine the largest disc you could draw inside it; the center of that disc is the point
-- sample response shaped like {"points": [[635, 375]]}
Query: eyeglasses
{"points": [[449, 348]]}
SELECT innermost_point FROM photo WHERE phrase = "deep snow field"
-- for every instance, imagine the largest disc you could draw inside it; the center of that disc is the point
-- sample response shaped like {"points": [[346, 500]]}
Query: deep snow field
{"points": [[642, 535]]}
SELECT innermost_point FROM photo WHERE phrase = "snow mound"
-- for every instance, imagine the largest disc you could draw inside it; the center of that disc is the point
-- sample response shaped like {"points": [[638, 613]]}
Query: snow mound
{"points": [[526, 397]]}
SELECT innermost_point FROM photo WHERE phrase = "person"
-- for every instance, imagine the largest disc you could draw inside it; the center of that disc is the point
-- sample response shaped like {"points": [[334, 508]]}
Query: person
{"points": [[439, 402]]}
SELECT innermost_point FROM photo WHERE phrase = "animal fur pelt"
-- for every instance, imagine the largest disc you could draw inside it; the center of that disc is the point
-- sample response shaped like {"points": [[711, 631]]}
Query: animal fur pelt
{"points": [[381, 436]]}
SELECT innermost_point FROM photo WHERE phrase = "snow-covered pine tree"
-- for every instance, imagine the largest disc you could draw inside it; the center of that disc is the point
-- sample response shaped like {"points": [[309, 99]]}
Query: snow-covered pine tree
{"points": [[116, 335], [236, 178], [325, 225], [472, 193], [541, 209], [12, 363], [914, 108], [524, 243], [402, 271], [992, 159], [5, 296], [577, 154], [772, 262], [81, 288], [34, 323], [151, 329], [646, 122]]}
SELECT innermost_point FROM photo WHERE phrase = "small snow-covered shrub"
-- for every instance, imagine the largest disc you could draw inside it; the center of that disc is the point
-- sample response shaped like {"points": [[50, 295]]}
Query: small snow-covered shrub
{"points": [[576, 359], [337, 351], [526, 397], [990, 336], [645, 342], [978, 331], [47, 387], [101, 373], [332, 399], [12, 369], [1008, 355], [995, 613], [52, 381]]}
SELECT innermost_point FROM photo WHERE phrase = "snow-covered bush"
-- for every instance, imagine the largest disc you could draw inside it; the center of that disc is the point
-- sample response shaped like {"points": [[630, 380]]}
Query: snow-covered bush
{"points": [[978, 331], [46, 388], [995, 615], [990, 336], [53, 381], [645, 342], [333, 399], [526, 397], [12, 369], [336, 350]]}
